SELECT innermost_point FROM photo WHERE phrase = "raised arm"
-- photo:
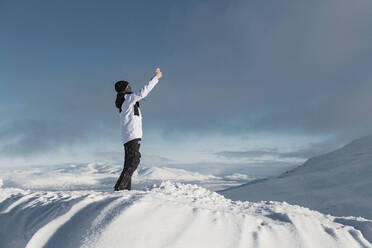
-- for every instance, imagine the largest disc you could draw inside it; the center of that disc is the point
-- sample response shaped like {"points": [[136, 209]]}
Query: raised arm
{"points": [[142, 93]]}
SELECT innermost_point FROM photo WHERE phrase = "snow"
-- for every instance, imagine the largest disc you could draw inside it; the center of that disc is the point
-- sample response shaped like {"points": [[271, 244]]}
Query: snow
{"points": [[102, 176], [238, 176], [337, 183], [170, 215], [74, 206], [156, 173]]}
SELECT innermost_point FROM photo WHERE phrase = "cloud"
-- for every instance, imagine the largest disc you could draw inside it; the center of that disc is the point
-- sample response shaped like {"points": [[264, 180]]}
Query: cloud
{"points": [[147, 160], [263, 168], [34, 137], [312, 150], [109, 156], [230, 67], [293, 65], [305, 153]]}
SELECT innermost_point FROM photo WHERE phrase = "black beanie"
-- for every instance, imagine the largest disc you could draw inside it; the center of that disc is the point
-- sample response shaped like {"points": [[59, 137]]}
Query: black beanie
{"points": [[120, 86]]}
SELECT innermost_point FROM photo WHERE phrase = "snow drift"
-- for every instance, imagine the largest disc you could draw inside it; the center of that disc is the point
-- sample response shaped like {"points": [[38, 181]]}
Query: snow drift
{"points": [[172, 215], [338, 183]]}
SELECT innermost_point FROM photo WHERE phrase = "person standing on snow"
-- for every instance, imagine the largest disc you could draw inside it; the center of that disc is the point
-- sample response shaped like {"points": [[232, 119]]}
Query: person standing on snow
{"points": [[131, 126]]}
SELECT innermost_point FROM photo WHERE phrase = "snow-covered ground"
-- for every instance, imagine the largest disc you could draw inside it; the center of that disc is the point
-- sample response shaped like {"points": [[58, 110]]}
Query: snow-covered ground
{"points": [[337, 183], [169, 215], [74, 206], [102, 176]]}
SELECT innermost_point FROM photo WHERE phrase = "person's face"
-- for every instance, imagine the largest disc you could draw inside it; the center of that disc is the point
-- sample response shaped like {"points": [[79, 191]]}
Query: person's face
{"points": [[128, 88]]}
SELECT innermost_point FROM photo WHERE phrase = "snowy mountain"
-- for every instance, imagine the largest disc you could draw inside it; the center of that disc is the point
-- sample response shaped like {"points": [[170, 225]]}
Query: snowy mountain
{"points": [[102, 176], [164, 173], [338, 183], [172, 215]]}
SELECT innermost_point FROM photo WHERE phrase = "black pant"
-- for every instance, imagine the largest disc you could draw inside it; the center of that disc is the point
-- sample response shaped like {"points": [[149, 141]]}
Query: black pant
{"points": [[132, 160]]}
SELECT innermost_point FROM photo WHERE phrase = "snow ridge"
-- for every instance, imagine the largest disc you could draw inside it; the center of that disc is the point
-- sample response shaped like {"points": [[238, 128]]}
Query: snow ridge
{"points": [[337, 183], [169, 215]]}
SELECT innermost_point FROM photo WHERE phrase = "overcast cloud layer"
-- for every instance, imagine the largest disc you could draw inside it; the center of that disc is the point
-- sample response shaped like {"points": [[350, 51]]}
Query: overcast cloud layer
{"points": [[230, 67]]}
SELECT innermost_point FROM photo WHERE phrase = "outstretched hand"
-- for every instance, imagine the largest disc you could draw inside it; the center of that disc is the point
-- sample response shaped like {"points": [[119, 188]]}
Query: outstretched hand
{"points": [[158, 73]]}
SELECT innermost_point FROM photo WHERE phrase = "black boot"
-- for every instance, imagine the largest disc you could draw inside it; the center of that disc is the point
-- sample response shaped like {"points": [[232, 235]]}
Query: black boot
{"points": [[116, 188], [124, 182]]}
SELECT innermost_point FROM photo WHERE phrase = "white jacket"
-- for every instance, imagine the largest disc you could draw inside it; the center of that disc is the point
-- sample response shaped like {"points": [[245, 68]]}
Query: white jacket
{"points": [[131, 124]]}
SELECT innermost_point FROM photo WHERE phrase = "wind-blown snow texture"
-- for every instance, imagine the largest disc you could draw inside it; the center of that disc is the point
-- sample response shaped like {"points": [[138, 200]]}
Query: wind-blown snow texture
{"points": [[338, 183], [171, 215]]}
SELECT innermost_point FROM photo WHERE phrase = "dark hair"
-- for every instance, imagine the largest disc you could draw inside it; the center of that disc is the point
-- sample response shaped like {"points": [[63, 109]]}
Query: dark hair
{"points": [[119, 100], [120, 87]]}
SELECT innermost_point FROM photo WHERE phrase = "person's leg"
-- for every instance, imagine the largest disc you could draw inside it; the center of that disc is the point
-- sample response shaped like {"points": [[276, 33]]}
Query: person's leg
{"points": [[129, 184], [132, 160], [120, 179]]}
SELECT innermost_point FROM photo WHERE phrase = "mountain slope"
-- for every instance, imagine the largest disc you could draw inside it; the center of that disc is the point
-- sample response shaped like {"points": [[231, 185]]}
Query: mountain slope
{"points": [[338, 183], [172, 215]]}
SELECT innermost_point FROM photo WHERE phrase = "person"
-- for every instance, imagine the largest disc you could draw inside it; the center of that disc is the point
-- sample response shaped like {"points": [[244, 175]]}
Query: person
{"points": [[131, 126]]}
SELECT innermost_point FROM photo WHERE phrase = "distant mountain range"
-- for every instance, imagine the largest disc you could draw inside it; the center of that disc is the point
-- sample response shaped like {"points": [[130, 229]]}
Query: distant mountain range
{"points": [[102, 176]]}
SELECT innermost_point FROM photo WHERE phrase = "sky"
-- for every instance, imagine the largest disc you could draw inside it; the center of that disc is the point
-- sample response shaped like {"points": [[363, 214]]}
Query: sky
{"points": [[244, 82]]}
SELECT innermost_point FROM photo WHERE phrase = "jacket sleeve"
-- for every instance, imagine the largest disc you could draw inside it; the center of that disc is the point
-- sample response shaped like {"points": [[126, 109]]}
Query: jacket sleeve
{"points": [[142, 93]]}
